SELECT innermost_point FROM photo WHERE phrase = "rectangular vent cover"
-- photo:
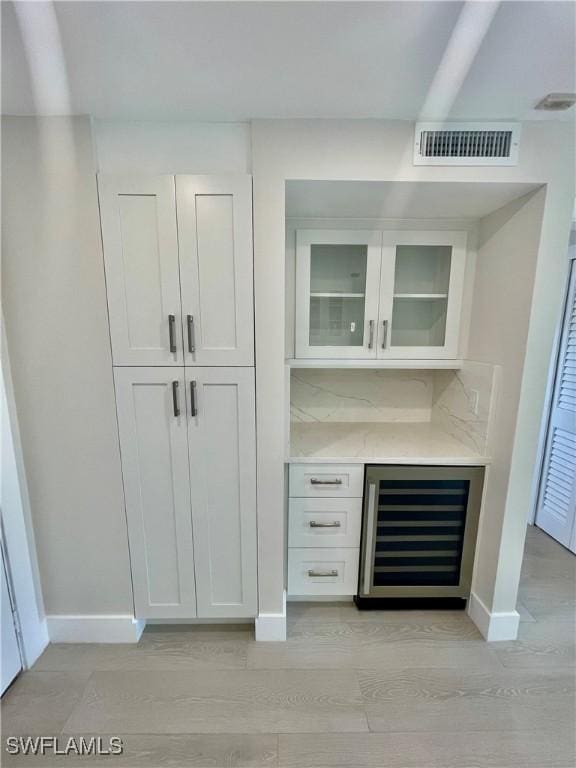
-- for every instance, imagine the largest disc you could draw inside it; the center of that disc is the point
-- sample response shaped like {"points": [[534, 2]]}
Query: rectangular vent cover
{"points": [[466, 144]]}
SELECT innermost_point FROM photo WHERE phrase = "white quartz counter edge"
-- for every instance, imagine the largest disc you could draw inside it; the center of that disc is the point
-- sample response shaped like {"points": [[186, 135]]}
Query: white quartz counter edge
{"points": [[449, 461]]}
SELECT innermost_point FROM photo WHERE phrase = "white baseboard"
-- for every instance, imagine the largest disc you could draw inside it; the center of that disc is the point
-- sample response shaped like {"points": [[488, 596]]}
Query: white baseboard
{"points": [[200, 622], [94, 629], [494, 626], [271, 627], [320, 599]]}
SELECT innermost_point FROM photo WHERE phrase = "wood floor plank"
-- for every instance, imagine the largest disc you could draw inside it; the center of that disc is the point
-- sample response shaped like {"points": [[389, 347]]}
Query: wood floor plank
{"points": [[299, 613], [384, 632], [233, 701], [550, 606], [449, 700], [508, 749], [368, 646], [541, 644], [157, 650], [41, 702], [174, 751], [349, 612], [525, 615]]}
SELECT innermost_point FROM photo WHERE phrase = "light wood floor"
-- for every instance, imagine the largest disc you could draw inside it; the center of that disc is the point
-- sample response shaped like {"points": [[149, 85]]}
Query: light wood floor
{"points": [[348, 689]]}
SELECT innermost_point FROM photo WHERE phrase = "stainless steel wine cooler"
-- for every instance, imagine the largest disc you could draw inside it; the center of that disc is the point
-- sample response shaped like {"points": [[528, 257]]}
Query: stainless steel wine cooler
{"points": [[418, 532]]}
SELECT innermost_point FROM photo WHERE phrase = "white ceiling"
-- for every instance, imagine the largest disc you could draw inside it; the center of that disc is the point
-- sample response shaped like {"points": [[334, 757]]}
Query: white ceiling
{"points": [[391, 200], [236, 60]]}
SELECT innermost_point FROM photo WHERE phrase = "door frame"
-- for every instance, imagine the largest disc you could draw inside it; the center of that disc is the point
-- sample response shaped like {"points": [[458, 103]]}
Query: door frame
{"points": [[17, 529], [550, 386], [13, 608]]}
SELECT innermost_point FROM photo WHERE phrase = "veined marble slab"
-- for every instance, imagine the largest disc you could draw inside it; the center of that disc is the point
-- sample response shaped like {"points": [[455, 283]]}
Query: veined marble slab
{"points": [[464, 403], [322, 395], [379, 443]]}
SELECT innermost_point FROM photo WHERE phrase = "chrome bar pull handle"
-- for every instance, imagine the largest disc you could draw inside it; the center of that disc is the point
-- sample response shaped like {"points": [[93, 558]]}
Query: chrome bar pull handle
{"points": [[335, 524], [315, 481], [384, 333], [370, 334], [175, 404], [370, 517], [312, 572], [190, 326], [193, 407], [171, 332]]}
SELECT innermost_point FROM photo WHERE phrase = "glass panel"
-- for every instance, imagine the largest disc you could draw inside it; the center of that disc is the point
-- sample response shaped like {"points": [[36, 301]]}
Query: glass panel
{"points": [[422, 278], [337, 294], [420, 532]]}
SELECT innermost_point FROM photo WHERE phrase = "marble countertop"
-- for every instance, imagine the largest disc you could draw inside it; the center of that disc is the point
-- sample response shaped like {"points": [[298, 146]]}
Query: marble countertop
{"points": [[378, 443]]}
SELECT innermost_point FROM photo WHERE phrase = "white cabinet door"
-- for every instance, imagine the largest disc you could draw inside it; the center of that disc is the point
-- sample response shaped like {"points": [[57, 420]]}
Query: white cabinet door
{"points": [[153, 442], [216, 265], [421, 288], [556, 511], [138, 217], [221, 431], [337, 287]]}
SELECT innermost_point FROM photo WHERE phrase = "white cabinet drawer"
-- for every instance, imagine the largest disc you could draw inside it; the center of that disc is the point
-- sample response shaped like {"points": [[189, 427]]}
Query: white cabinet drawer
{"points": [[322, 571], [333, 480], [324, 522]]}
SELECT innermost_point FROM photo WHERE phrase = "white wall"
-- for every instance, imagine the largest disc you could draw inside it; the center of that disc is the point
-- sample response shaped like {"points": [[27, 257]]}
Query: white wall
{"points": [[57, 329], [185, 147], [57, 326], [509, 242], [378, 150]]}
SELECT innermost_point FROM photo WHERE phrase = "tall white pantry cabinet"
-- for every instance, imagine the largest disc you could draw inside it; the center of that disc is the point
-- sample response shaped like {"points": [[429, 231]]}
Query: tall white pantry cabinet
{"points": [[179, 277]]}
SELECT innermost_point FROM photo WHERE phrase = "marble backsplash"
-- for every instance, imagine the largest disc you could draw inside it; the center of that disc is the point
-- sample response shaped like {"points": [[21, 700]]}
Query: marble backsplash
{"points": [[464, 403], [460, 402], [344, 395]]}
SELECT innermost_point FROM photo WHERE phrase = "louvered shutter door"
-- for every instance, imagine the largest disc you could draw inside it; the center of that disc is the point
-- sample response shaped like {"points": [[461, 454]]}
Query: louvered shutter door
{"points": [[557, 502]]}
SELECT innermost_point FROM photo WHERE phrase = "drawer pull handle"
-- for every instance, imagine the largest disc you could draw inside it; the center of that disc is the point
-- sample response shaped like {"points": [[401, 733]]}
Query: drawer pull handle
{"points": [[335, 524], [323, 573], [315, 481]]}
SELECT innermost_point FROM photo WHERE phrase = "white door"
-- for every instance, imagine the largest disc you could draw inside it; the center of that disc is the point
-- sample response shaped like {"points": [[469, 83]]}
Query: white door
{"points": [[152, 420], [556, 509], [138, 217], [337, 287], [223, 485], [10, 652], [216, 268], [421, 288]]}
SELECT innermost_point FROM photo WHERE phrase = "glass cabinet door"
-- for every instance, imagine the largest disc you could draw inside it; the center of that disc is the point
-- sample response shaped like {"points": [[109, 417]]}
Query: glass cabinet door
{"points": [[420, 309], [337, 294]]}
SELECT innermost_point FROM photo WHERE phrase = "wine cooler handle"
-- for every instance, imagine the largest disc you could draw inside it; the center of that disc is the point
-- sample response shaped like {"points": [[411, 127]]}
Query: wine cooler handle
{"points": [[371, 511]]}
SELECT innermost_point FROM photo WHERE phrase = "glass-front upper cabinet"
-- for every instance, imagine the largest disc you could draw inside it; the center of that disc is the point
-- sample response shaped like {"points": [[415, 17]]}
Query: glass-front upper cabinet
{"points": [[421, 287], [337, 293], [365, 294]]}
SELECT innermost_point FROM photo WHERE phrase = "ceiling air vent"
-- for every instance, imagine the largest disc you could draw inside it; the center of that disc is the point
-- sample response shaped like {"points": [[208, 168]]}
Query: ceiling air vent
{"points": [[466, 143]]}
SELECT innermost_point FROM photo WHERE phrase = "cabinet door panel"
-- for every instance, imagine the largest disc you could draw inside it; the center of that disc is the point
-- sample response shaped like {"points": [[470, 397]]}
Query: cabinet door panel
{"points": [[138, 217], [421, 287], [153, 442], [223, 484], [337, 285], [216, 264]]}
